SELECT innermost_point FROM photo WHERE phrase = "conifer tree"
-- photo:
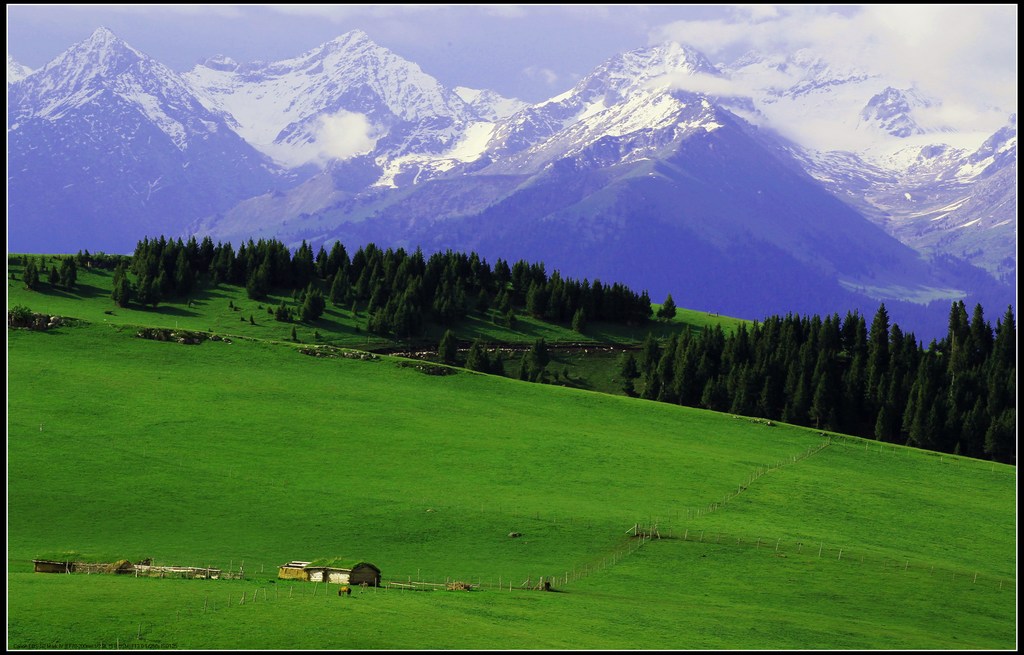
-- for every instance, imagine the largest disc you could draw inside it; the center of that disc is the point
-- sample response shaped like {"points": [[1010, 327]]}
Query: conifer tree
{"points": [[667, 311], [68, 273], [476, 358], [539, 357], [282, 313], [649, 355], [258, 284], [629, 372], [524, 367], [446, 349], [878, 356], [579, 321], [31, 274], [313, 304], [184, 275], [122, 288]]}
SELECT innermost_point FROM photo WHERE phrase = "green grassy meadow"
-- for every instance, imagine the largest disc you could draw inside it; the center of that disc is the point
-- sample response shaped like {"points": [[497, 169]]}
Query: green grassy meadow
{"points": [[248, 454]]}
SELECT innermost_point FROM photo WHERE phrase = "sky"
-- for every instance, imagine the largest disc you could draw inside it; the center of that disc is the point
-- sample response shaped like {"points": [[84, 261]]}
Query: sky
{"points": [[965, 53]]}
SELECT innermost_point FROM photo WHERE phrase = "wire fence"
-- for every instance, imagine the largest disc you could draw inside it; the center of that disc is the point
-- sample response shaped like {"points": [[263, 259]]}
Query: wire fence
{"points": [[637, 536]]}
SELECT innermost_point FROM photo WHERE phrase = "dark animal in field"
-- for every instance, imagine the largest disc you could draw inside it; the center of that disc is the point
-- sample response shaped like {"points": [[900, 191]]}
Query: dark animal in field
{"points": [[344, 591]]}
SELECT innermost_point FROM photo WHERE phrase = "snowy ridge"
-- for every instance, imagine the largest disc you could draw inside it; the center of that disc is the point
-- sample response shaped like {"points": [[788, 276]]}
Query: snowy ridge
{"points": [[278, 106], [489, 105], [104, 64], [16, 71], [622, 79], [105, 144]]}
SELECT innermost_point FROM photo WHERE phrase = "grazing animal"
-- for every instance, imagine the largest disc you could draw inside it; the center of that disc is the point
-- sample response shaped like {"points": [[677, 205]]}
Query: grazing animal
{"points": [[344, 591]]}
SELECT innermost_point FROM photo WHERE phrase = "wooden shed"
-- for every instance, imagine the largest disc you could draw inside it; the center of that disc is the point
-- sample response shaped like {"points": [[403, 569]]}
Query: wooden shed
{"points": [[365, 572], [339, 572], [294, 570], [51, 566]]}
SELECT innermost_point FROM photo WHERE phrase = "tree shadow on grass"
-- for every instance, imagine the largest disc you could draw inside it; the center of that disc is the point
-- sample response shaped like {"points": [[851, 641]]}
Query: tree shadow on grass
{"points": [[78, 292], [169, 310]]}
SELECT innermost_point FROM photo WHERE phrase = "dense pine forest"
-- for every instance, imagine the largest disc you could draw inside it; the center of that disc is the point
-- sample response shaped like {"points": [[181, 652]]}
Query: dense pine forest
{"points": [[957, 395]]}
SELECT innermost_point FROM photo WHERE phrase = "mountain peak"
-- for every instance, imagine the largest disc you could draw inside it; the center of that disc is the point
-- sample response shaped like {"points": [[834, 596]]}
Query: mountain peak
{"points": [[101, 43], [891, 109], [351, 41], [679, 53], [102, 35], [636, 69], [103, 39], [353, 37]]}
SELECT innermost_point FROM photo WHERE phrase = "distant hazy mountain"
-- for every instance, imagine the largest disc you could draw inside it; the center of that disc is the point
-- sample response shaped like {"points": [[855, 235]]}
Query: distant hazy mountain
{"points": [[939, 199], [887, 152], [106, 145]]}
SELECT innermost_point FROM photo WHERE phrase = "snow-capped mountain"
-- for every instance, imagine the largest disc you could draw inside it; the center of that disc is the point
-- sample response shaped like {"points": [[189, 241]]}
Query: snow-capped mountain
{"points": [[626, 176], [16, 71], [343, 98], [887, 152], [891, 110], [939, 199], [105, 145], [658, 169]]}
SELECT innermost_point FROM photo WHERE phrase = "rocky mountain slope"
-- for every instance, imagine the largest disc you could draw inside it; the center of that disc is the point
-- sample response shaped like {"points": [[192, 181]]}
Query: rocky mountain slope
{"points": [[106, 145]]}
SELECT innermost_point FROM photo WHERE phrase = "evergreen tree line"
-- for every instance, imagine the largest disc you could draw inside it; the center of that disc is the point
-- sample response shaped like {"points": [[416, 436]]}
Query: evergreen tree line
{"points": [[958, 395], [399, 291], [36, 268]]}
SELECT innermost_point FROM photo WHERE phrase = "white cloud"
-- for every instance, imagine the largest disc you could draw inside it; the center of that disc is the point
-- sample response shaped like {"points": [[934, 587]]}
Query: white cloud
{"points": [[342, 135], [341, 13], [504, 11], [221, 11], [759, 12], [547, 75], [964, 54], [698, 83]]}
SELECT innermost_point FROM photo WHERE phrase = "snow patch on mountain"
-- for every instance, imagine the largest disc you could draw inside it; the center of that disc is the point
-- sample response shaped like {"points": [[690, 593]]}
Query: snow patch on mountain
{"points": [[469, 148], [16, 71], [487, 104]]}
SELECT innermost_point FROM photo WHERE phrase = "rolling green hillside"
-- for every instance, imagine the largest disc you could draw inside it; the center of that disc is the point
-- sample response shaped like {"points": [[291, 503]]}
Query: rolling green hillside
{"points": [[246, 453]]}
